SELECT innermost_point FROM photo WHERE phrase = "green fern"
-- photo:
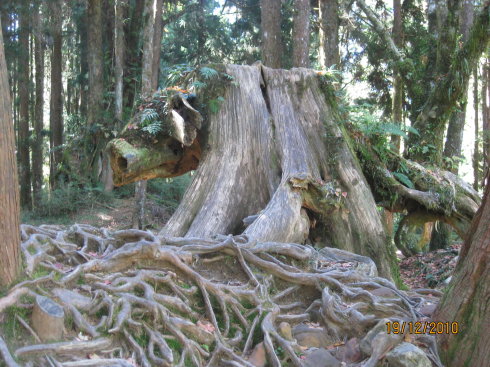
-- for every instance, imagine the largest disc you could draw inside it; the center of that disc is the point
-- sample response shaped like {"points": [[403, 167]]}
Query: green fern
{"points": [[150, 121], [153, 128], [208, 73], [404, 179]]}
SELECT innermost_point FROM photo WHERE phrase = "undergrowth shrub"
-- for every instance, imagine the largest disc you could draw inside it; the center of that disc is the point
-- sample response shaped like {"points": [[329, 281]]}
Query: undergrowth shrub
{"points": [[66, 200], [168, 192]]}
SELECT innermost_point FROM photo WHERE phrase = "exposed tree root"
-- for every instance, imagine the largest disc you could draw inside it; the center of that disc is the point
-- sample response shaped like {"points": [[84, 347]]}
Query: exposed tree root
{"points": [[138, 299]]}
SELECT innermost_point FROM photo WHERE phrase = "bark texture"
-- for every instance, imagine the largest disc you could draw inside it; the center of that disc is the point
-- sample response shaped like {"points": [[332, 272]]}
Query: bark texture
{"points": [[119, 46], [37, 146], [56, 103], [23, 141], [397, 106], [157, 44], [95, 87], [301, 33], [328, 52], [485, 106], [9, 192], [270, 22], [466, 300]]}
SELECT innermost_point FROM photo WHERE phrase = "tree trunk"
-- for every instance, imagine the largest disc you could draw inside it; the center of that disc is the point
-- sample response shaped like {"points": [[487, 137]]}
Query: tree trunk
{"points": [[270, 22], [301, 33], [95, 87], [9, 192], [37, 146], [146, 91], [476, 150], [466, 300], [157, 44], [56, 104], [454, 137], [485, 107], [133, 54], [23, 141], [328, 52], [397, 114], [119, 45]]}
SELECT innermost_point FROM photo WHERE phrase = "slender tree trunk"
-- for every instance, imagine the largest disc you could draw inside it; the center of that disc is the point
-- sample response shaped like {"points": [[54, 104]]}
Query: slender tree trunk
{"points": [[301, 33], [466, 300], [119, 52], [9, 192], [397, 107], [157, 44], [37, 146], [328, 53], [56, 104], [272, 46], [133, 53], [83, 54], [454, 137], [485, 106], [476, 149], [146, 91], [23, 142], [95, 86]]}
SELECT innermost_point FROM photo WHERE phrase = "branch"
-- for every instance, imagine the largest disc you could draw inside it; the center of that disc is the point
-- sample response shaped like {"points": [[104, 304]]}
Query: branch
{"points": [[450, 89], [381, 30], [172, 18]]}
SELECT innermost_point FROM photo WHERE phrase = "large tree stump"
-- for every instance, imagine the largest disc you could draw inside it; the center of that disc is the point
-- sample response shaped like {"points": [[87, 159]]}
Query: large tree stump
{"points": [[278, 154]]}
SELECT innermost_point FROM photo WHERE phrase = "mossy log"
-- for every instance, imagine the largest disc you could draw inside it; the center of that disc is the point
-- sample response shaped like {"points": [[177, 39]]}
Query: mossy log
{"points": [[276, 153]]}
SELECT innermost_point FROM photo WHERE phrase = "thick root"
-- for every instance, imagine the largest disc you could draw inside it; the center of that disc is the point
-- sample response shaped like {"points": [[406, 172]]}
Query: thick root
{"points": [[135, 298]]}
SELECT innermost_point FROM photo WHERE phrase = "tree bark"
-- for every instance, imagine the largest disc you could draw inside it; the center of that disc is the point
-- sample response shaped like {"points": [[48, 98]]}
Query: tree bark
{"points": [[147, 79], [467, 299], [9, 192], [56, 104], [301, 33], [328, 52], [476, 150], [397, 114], [37, 146], [454, 137], [95, 86], [119, 52], [270, 22], [157, 44], [485, 107], [23, 141]]}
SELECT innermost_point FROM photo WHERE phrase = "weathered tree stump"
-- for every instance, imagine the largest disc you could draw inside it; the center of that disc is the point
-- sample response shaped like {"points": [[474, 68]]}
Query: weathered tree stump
{"points": [[48, 319]]}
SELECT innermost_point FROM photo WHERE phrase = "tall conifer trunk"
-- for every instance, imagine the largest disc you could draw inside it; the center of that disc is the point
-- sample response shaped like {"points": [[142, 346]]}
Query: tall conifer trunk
{"points": [[272, 46], [301, 33], [56, 103], [9, 192], [328, 52], [37, 146], [23, 141]]}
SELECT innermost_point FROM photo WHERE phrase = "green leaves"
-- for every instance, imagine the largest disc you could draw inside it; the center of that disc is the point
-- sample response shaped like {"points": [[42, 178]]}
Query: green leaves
{"points": [[404, 179], [208, 73], [150, 121]]}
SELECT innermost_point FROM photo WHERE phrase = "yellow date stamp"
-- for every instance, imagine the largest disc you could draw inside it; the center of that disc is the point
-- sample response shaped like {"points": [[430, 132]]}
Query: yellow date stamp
{"points": [[422, 327]]}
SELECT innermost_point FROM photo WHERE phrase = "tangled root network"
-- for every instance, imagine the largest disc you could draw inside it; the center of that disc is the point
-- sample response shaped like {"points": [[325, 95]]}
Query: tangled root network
{"points": [[131, 298]]}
